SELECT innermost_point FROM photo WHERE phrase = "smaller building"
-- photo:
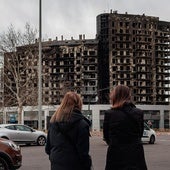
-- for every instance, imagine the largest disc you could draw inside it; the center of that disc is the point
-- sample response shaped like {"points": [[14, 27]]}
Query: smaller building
{"points": [[159, 115]]}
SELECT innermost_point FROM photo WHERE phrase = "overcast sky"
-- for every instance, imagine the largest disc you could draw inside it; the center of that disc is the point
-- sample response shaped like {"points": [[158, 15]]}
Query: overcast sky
{"points": [[73, 17]]}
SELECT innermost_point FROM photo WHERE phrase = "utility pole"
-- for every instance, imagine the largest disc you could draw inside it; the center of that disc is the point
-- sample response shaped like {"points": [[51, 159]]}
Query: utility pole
{"points": [[40, 74]]}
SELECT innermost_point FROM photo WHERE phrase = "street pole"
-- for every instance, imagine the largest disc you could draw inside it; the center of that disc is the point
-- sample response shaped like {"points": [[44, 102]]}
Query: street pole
{"points": [[40, 74]]}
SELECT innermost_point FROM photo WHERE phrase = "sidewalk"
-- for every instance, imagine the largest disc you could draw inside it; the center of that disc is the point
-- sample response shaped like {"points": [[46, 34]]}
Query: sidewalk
{"points": [[100, 134]]}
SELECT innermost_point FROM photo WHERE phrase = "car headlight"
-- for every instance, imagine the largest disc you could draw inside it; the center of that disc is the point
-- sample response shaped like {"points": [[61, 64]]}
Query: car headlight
{"points": [[145, 133], [12, 145]]}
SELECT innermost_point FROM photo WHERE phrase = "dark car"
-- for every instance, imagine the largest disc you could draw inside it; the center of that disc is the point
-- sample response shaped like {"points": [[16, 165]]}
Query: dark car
{"points": [[10, 155]]}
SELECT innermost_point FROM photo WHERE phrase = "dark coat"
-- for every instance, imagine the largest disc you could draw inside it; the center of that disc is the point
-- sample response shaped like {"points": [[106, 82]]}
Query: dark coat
{"points": [[68, 144], [122, 130]]}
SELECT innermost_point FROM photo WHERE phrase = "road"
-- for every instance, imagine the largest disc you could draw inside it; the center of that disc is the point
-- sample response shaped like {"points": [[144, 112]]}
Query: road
{"points": [[157, 155]]}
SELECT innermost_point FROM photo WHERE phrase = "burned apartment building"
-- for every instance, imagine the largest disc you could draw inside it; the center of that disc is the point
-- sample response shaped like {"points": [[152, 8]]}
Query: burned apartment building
{"points": [[66, 65], [20, 76], [134, 50], [70, 65]]}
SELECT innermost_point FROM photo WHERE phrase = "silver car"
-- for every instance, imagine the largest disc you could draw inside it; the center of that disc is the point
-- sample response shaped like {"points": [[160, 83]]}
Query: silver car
{"points": [[22, 134]]}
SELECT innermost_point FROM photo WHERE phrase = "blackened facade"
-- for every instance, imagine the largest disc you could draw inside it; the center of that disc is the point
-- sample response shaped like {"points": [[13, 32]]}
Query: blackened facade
{"points": [[135, 50], [70, 65]]}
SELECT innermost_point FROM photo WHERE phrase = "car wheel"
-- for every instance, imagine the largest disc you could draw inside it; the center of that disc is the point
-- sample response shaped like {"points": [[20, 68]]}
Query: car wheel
{"points": [[152, 139], [4, 137], [3, 164], [41, 141]]}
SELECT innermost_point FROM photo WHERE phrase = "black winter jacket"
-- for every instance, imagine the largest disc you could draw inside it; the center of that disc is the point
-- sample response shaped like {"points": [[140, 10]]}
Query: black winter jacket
{"points": [[68, 144], [122, 130]]}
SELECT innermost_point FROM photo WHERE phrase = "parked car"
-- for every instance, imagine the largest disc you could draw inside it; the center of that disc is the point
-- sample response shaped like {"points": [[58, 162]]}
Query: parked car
{"points": [[149, 135], [10, 155], [22, 134]]}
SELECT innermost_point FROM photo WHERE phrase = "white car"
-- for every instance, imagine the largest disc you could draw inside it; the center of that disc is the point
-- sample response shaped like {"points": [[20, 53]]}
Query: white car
{"points": [[149, 135], [22, 134]]}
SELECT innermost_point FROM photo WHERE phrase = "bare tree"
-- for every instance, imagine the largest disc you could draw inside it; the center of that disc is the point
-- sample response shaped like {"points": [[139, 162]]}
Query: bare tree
{"points": [[20, 67]]}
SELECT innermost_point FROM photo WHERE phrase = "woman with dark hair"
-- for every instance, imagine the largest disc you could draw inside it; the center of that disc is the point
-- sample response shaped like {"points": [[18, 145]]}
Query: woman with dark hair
{"points": [[68, 136], [122, 130]]}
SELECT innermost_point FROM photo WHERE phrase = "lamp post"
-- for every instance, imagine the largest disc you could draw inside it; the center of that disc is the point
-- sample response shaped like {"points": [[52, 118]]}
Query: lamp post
{"points": [[40, 74]]}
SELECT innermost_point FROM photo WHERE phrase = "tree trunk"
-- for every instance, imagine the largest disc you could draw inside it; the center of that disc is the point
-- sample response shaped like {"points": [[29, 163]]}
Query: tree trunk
{"points": [[20, 109]]}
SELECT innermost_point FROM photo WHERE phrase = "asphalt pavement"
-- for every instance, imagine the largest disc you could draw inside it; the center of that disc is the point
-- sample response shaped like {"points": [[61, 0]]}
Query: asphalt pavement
{"points": [[157, 155]]}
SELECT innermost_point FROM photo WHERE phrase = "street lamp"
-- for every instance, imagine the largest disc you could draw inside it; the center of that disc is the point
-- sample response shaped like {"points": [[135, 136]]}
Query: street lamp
{"points": [[39, 74]]}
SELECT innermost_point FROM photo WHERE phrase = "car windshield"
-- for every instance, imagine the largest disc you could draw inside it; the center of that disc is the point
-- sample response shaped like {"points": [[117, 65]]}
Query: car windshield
{"points": [[146, 127]]}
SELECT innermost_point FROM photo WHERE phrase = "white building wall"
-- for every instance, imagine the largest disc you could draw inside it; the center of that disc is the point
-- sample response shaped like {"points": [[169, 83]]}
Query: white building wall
{"points": [[95, 109]]}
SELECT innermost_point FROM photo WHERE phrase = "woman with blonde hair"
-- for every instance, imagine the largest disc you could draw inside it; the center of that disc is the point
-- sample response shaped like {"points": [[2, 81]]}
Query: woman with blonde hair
{"points": [[122, 129], [68, 136]]}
